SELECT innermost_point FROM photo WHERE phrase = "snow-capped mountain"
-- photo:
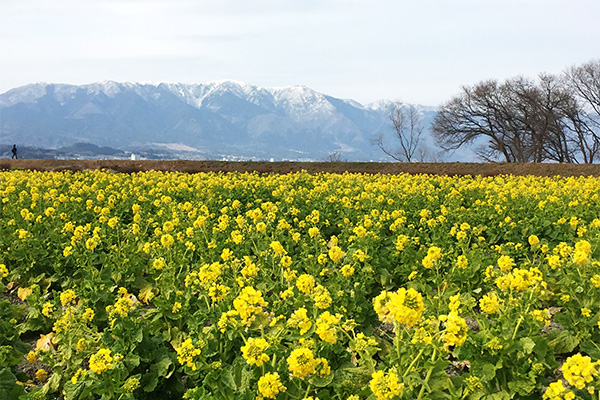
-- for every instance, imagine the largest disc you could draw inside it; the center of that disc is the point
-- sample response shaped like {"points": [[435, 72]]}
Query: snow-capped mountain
{"points": [[213, 120]]}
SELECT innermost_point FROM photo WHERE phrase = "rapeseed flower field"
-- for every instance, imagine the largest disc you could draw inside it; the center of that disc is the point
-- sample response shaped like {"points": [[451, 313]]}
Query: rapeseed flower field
{"points": [[248, 286]]}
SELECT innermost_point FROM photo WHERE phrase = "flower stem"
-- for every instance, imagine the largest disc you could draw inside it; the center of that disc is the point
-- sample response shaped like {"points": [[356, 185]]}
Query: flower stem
{"points": [[429, 372], [307, 390], [413, 362]]}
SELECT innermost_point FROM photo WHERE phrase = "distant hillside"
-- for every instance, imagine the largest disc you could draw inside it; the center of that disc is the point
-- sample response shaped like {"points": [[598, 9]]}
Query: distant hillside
{"points": [[219, 120]]}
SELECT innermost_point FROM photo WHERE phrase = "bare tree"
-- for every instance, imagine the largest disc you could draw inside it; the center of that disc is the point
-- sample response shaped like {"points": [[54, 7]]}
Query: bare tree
{"points": [[335, 156], [474, 114], [541, 108], [584, 81], [523, 120], [407, 125]]}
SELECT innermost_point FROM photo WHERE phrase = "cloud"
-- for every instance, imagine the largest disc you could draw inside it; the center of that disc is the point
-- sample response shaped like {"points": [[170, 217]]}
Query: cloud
{"points": [[379, 48]]}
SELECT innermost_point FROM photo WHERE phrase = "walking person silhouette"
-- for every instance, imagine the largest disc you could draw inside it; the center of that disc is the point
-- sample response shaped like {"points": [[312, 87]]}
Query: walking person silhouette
{"points": [[14, 152]]}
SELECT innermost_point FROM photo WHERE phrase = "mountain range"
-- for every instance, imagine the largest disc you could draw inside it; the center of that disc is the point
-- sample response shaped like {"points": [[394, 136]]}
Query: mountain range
{"points": [[217, 120]]}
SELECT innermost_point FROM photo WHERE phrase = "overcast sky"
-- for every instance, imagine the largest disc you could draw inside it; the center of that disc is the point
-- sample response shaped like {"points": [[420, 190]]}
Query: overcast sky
{"points": [[419, 51]]}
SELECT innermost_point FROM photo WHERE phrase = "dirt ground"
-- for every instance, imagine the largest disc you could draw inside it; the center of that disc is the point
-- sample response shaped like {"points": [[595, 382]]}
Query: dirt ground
{"points": [[451, 169]]}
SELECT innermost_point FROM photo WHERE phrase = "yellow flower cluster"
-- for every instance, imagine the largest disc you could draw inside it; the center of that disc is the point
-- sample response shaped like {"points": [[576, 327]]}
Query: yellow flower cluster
{"points": [[456, 330], [322, 297], [101, 361], [505, 263], [301, 362], [327, 327], [3, 271], [583, 250], [433, 256], [278, 248], [249, 304], [218, 292], [67, 297], [187, 352], [254, 351], [125, 303], [557, 391], [289, 264], [41, 375], [385, 386], [403, 306], [305, 283], [336, 254], [520, 279], [269, 385], [579, 370], [489, 303], [300, 320]]}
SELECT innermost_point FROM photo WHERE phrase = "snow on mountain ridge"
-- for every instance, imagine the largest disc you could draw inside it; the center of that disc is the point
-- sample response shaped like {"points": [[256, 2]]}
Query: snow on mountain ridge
{"points": [[287, 98], [24, 94], [290, 100]]}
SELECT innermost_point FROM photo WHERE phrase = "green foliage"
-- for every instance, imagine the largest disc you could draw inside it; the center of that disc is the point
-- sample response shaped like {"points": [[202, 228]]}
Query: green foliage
{"points": [[209, 286]]}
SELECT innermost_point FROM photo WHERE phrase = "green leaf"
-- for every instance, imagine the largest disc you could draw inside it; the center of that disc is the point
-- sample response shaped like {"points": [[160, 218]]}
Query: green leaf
{"points": [[322, 382], [385, 277], [149, 382], [162, 366], [527, 344], [484, 371], [590, 348], [503, 395], [227, 379], [246, 380], [76, 391], [440, 382], [198, 393], [53, 384], [132, 361], [8, 356], [8, 385], [138, 335], [522, 387], [562, 341]]}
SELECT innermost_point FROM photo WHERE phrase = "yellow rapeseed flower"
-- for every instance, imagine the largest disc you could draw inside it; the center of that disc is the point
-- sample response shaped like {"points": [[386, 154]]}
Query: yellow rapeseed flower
{"points": [[301, 362], [254, 351], [579, 370], [533, 240], [300, 320], [336, 254], [489, 303], [3, 271], [403, 306], [326, 326], [557, 391], [101, 361], [456, 330], [269, 385], [305, 283], [385, 386], [67, 297], [187, 352]]}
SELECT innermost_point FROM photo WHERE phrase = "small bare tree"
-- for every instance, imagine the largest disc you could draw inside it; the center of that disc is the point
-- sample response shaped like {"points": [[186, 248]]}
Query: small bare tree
{"points": [[407, 124], [336, 156]]}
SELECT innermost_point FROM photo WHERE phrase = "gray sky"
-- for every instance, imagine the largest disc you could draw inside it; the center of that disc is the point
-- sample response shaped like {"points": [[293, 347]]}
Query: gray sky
{"points": [[419, 51]]}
